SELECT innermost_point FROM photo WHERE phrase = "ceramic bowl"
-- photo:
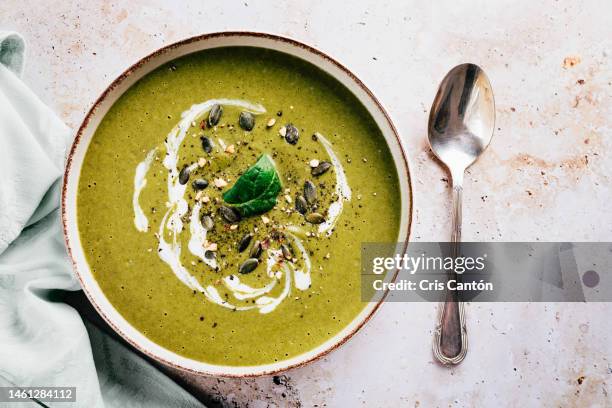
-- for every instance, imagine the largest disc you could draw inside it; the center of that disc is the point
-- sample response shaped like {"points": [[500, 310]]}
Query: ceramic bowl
{"points": [[102, 106]]}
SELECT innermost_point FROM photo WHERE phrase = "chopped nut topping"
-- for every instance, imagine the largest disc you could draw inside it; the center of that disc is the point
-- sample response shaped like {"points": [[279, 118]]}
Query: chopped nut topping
{"points": [[220, 183], [271, 122], [230, 149], [313, 163], [265, 219], [201, 162], [210, 246], [282, 131]]}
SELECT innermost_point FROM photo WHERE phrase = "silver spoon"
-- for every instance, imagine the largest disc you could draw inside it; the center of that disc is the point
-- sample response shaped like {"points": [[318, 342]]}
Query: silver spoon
{"points": [[460, 128]]}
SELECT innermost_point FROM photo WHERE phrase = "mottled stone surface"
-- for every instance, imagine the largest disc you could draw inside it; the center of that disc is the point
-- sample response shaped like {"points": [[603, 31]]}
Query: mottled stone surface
{"points": [[545, 176]]}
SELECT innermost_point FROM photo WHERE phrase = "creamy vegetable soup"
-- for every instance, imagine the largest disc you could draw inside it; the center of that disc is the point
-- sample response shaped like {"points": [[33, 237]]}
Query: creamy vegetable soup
{"points": [[223, 201]]}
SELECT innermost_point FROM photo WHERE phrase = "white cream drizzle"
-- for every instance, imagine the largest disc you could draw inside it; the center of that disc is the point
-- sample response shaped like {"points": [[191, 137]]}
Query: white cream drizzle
{"points": [[222, 144], [242, 291], [171, 225], [197, 241], [296, 229], [140, 181], [343, 190], [170, 253], [267, 304], [302, 277]]}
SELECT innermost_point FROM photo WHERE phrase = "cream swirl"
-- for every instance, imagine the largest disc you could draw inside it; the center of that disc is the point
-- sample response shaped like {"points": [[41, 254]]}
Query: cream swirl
{"points": [[278, 270]]}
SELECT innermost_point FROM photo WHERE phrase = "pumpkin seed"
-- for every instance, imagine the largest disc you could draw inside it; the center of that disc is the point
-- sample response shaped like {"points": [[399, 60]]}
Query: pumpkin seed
{"points": [[229, 214], [301, 205], [184, 175], [310, 192], [206, 144], [215, 114], [248, 266], [244, 242], [246, 120], [291, 134], [315, 218], [207, 222], [199, 184], [322, 168], [286, 252], [256, 249]]}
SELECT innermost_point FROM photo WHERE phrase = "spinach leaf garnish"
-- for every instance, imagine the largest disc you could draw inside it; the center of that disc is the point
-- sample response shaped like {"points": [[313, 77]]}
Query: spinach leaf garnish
{"points": [[256, 190]]}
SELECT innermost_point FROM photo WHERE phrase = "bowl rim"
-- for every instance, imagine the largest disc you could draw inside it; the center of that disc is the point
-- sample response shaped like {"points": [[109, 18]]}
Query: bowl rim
{"points": [[117, 82]]}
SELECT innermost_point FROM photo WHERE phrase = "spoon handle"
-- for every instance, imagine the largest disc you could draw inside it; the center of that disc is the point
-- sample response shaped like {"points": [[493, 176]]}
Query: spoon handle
{"points": [[450, 336]]}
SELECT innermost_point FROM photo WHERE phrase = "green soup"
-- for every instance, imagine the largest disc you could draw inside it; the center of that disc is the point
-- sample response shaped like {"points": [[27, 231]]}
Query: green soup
{"points": [[175, 265]]}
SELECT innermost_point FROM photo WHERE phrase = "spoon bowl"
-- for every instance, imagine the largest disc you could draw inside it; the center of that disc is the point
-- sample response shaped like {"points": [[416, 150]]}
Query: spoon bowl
{"points": [[462, 117]]}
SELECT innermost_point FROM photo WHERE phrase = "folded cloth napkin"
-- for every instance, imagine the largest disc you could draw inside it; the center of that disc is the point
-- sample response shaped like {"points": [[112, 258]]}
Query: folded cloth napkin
{"points": [[44, 342]]}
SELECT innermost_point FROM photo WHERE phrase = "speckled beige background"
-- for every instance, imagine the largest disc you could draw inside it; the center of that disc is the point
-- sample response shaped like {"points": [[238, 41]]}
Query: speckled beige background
{"points": [[545, 176]]}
